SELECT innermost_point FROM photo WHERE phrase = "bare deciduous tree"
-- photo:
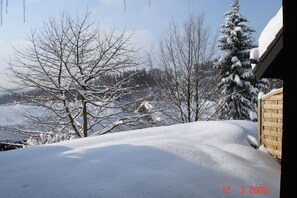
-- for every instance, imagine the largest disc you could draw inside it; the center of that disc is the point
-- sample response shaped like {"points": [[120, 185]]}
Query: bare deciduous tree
{"points": [[65, 60], [187, 86]]}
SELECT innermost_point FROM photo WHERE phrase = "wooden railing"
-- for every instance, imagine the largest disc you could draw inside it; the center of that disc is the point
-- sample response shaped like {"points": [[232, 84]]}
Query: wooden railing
{"points": [[270, 122]]}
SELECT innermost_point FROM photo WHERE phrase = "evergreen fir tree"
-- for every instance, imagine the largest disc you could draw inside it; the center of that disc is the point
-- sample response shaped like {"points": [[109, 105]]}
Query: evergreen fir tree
{"points": [[238, 91]]}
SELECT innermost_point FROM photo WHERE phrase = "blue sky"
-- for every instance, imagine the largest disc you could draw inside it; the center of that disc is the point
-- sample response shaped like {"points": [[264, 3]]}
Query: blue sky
{"points": [[147, 22]]}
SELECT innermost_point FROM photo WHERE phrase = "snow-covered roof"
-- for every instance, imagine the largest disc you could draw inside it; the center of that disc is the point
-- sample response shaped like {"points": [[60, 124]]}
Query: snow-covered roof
{"points": [[267, 40], [270, 31], [188, 160]]}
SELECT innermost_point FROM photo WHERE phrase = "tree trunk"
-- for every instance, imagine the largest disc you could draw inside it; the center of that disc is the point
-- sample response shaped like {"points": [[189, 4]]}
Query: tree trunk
{"points": [[85, 119]]}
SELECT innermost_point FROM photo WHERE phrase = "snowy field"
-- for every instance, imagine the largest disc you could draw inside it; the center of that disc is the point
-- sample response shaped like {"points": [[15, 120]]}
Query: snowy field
{"points": [[188, 160], [11, 115]]}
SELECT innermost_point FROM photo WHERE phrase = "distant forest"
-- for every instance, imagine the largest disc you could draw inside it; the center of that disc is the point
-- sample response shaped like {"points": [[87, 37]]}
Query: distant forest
{"points": [[139, 80]]}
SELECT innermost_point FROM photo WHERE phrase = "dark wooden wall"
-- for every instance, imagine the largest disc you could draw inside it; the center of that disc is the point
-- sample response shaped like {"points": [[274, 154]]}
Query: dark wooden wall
{"points": [[289, 155]]}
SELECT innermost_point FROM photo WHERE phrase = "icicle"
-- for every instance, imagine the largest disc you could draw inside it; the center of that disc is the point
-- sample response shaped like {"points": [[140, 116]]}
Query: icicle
{"points": [[125, 6], [193, 7], [149, 3], [1, 11], [189, 7], [24, 10], [6, 6]]}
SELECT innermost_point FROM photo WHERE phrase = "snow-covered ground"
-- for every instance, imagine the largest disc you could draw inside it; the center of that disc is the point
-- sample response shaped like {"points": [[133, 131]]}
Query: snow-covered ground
{"points": [[188, 160], [10, 116]]}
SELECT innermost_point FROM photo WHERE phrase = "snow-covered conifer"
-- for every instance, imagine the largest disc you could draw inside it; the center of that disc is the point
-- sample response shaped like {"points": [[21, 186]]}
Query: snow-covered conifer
{"points": [[238, 90]]}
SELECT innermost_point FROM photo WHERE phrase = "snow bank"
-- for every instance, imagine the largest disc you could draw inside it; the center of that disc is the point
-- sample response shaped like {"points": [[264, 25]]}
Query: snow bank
{"points": [[188, 160]]}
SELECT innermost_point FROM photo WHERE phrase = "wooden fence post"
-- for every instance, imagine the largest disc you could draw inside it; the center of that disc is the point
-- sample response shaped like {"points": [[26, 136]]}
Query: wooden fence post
{"points": [[260, 118]]}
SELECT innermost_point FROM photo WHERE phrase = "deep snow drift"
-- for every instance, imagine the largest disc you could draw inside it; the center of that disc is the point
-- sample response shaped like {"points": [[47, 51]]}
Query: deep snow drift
{"points": [[188, 160]]}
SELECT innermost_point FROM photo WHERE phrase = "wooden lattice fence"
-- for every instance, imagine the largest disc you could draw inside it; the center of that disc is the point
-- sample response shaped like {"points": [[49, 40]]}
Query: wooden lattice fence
{"points": [[270, 122]]}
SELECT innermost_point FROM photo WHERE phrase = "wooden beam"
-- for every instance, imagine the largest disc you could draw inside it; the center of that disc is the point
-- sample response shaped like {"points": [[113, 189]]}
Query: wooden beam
{"points": [[272, 133], [273, 115], [268, 142], [273, 124], [273, 106], [275, 152]]}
